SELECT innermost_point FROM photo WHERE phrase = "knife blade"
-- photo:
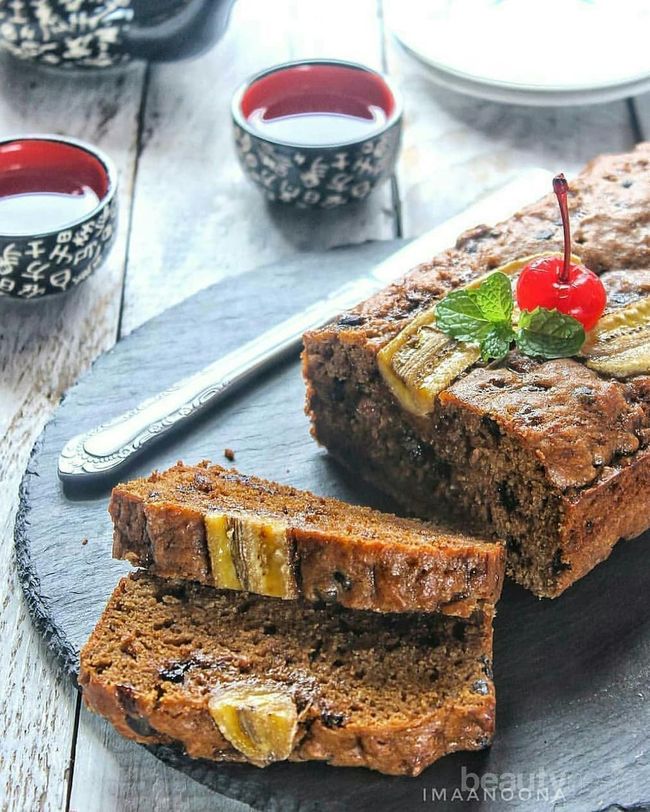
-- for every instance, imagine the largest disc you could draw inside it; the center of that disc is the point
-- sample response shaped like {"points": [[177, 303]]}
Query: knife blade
{"points": [[102, 451]]}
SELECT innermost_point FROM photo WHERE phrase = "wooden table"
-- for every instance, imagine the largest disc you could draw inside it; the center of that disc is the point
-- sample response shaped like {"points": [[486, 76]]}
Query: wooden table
{"points": [[189, 218]]}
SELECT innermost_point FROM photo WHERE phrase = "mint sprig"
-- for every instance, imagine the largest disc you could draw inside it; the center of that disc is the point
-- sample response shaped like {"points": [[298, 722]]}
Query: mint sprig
{"points": [[483, 315]]}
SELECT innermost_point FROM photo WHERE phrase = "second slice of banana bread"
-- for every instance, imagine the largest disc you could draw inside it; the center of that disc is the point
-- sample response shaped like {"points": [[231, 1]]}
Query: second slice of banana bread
{"points": [[235, 677]]}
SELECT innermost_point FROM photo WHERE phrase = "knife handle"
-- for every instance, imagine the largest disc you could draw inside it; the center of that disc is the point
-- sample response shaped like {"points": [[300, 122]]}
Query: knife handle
{"points": [[105, 449]]}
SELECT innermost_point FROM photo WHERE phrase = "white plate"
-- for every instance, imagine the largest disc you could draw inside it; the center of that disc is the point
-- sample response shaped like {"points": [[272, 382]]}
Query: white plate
{"points": [[505, 95], [531, 47]]}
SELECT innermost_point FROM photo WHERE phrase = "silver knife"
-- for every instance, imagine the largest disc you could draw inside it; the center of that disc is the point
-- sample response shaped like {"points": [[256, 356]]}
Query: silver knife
{"points": [[105, 449]]}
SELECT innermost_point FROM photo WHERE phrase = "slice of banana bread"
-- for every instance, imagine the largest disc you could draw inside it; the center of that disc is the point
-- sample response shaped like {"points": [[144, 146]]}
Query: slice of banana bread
{"points": [[551, 456], [218, 527], [236, 677]]}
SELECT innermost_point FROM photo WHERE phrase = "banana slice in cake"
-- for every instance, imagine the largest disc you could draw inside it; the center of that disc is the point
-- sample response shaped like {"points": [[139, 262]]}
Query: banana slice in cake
{"points": [[251, 553], [421, 361], [619, 345], [259, 719]]}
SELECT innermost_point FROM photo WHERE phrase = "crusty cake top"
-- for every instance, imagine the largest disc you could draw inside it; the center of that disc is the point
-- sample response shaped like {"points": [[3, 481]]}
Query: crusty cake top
{"points": [[610, 213], [205, 488]]}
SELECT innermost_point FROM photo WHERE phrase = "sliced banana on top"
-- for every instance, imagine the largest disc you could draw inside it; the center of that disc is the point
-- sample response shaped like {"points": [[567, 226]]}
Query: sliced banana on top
{"points": [[421, 361], [619, 345], [259, 719], [252, 553]]}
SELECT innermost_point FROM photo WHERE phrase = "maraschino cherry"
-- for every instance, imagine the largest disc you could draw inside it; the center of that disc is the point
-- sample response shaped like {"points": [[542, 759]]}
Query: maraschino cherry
{"points": [[558, 284]]}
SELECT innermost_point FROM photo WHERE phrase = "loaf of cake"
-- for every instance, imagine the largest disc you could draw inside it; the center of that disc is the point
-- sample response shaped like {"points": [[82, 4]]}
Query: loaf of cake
{"points": [[230, 676], [218, 527], [550, 455]]}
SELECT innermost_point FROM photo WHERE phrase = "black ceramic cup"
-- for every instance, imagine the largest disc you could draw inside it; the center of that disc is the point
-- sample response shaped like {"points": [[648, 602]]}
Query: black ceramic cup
{"points": [[58, 212], [91, 34], [317, 133]]}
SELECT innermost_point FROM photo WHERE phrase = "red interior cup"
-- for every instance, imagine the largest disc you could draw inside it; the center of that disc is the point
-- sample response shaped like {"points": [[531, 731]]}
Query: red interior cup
{"points": [[318, 88], [316, 104], [33, 165]]}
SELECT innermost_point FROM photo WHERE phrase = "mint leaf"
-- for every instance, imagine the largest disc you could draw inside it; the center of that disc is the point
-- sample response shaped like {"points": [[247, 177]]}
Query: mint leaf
{"points": [[480, 315], [460, 316], [497, 341], [549, 333], [494, 297]]}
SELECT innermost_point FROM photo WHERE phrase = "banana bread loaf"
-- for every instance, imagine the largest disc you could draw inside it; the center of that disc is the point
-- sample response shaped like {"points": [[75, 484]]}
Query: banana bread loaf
{"points": [[218, 527], [551, 456], [235, 677]]}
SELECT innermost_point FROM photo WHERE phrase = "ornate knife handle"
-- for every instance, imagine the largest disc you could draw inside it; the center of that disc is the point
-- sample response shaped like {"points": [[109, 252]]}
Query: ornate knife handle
{"points": [[105, 449]]}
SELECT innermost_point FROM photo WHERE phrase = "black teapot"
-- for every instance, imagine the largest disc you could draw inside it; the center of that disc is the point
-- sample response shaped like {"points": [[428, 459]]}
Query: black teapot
{"points": [[100, 34]]}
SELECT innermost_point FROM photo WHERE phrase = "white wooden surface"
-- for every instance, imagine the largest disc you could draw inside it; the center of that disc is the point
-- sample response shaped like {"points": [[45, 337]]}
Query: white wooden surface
{"points": [[188, 218], [42, 350]]}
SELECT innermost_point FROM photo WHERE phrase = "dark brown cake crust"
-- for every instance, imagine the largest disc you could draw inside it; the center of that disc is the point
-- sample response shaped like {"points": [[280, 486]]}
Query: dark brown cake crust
{"points": [[549, 456], [389, 692], [341, 553]]}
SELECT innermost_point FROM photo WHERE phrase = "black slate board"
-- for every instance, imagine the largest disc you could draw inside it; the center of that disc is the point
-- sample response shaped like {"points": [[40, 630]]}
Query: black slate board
{"points": [[573, 675]]}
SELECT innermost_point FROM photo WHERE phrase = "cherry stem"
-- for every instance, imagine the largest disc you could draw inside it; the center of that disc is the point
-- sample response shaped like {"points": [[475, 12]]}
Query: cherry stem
{"points": [[561, 187]]}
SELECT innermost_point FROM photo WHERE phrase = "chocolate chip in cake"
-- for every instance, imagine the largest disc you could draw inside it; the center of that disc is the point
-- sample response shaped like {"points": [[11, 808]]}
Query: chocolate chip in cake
{"points": [[558, 565], [513, 545], [126, 697], [327, 594], [459, 630], [351, 320], [343, 580], [337, 392], [585, 394], [507, 496], [175, 672], [332, 720], [487, 666], [171, 590], [431, 640], [140, 726], [442, 470], [414, 448], [315, 651], [492, 426]]}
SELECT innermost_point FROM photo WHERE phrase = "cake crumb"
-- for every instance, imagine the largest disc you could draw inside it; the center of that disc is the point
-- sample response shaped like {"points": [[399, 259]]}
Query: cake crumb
{"points": [[84, 542], [229, 454]]}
